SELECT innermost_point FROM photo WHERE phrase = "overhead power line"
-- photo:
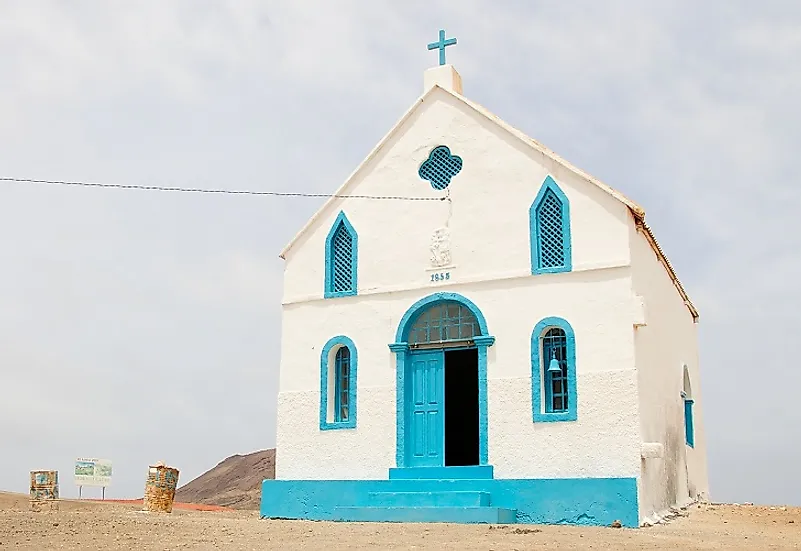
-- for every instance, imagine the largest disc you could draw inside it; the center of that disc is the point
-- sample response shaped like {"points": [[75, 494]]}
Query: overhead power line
{"points": [[219, 191]]}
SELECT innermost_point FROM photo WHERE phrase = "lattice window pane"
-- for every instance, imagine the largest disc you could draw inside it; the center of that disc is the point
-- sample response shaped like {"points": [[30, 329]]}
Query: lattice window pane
{"points": [[454, 333], [342, 260], [556, 385], [342, 384], [550, 232], [440, 167], [449, 321]]}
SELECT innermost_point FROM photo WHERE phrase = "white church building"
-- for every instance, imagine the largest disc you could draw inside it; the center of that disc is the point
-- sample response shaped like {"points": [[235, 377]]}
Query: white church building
{"points": [[504, 341]]}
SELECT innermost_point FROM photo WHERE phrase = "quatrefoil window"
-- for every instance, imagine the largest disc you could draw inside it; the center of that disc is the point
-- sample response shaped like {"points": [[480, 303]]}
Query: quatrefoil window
{"points": [[440, 167]]}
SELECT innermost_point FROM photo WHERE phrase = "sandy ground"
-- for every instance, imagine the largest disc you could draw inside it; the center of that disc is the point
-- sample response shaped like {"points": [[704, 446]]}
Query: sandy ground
{"points": [[110, 527]]}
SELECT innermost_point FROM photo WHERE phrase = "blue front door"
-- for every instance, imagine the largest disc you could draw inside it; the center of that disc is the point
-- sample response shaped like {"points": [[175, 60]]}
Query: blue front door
{"points": [[425, 404]]}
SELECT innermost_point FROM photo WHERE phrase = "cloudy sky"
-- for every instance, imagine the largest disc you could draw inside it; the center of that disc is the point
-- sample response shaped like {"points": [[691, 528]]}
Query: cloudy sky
{"points": [[143, 326]]}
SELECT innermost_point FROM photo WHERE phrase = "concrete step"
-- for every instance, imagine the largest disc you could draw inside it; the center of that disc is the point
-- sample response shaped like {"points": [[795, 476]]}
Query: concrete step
{"points": [[462, 515], [429, 499], [482, 472]]}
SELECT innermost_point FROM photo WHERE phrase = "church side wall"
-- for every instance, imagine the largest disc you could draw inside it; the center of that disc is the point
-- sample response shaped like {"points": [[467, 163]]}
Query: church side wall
{"points": [[663, 346], [603, 442]]}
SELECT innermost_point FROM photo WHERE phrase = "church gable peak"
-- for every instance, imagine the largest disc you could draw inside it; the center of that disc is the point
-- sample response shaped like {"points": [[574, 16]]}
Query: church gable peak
{"points": [[440, 153], [442, 165]]}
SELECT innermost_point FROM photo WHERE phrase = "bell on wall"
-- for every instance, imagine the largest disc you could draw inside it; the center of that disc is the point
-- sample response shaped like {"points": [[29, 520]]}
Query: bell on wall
{"points": [[553, 367]]}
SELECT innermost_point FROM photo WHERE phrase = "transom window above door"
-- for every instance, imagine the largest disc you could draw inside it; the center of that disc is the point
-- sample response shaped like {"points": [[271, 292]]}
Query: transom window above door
{"points": [[445, 321]]}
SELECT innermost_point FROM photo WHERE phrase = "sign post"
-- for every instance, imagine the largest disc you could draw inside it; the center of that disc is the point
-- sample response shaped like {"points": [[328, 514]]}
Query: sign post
{"points": [[92, 472]]}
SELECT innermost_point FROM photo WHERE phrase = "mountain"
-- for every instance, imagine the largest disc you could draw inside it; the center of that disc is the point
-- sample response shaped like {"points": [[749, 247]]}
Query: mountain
{"points": [[235, 482]]}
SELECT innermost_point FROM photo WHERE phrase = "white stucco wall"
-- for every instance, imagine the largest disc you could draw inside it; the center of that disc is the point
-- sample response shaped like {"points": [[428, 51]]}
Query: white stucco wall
{"points": [[489, 225], [663, 346], [604, 442]]}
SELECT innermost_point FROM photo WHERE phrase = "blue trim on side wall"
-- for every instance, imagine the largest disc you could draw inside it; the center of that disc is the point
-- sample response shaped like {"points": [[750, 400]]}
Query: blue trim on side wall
{"points": [[582, 501], [537, 374], [551, 184], [401, 349], [354, 259], [689, 429], [325, 365]]}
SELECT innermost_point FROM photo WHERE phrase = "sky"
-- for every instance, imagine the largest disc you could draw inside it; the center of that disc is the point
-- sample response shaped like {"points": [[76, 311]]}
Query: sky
{"points": [[144, 326]]}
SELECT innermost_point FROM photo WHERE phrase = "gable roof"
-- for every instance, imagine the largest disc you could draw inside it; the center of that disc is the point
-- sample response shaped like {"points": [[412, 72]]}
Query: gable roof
{"points": [[636, 210]]}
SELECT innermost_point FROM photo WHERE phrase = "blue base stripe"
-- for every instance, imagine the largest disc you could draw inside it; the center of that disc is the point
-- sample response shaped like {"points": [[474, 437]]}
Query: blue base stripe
{"points": [[581, 501], [441, 473]]}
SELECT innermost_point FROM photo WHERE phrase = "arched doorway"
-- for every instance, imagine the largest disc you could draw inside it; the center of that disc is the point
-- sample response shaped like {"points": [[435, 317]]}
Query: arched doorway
{"points": [[441, 362]]}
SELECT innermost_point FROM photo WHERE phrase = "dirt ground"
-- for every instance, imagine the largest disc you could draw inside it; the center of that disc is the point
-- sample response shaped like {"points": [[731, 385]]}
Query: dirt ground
{"points": [[89, 526]]}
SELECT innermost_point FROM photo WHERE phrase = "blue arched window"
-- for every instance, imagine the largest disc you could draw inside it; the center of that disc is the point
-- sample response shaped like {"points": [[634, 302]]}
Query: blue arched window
{"points": [[554, 356], [549, 226], [338, 362], [687, 396], [342, 385], [442, 322], [553, 371], [341, 258]]}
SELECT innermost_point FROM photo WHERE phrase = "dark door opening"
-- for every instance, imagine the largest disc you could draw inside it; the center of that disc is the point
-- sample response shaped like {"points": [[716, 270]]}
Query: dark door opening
{"points": [[461, 407]]}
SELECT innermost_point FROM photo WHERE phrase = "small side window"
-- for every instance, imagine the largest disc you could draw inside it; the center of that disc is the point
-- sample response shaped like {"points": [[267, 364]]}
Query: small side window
{"points": [[553, 371], [687, 396], [338, 362]]}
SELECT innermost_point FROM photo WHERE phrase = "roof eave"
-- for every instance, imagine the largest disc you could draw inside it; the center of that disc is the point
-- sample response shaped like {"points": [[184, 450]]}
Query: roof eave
{"points": [[388, 136], [649, 235]]}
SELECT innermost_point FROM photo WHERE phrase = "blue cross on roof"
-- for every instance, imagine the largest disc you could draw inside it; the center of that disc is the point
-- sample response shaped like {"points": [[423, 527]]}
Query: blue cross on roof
{"points": [[441, 45]]}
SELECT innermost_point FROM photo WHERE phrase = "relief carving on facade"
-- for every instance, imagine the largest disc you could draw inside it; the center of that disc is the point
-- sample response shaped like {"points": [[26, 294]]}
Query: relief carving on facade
{"points": [[441, 248]]}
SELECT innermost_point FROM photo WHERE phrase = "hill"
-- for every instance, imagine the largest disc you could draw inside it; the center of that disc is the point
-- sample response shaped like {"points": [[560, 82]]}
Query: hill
{"points": [[235, 482]]}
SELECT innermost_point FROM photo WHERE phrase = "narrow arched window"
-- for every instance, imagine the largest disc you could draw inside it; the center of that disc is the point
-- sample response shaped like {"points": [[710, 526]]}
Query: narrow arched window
{"points": [[553, 371], [549, 220], [338, 363], [341, 253], [687, 396], [342, 384]]}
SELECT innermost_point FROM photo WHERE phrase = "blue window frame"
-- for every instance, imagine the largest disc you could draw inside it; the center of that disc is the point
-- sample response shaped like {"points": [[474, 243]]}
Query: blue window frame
{"points": [[689, 433], [338, 363], [687, 396], [553, 371], [549, 226], [341, 259]]}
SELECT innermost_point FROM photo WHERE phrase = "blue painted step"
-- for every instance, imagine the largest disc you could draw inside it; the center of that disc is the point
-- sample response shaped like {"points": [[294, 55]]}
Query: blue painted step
{"points": [[429, 499], [481, 472], [462, 515]]}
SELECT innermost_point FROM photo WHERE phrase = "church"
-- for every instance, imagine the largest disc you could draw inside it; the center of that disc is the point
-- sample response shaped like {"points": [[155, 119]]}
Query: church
{"points": [[476, 331]]}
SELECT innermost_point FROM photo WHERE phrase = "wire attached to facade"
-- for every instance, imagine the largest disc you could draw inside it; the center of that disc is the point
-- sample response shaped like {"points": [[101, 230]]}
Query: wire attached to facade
{"points": [[218, 191]]}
